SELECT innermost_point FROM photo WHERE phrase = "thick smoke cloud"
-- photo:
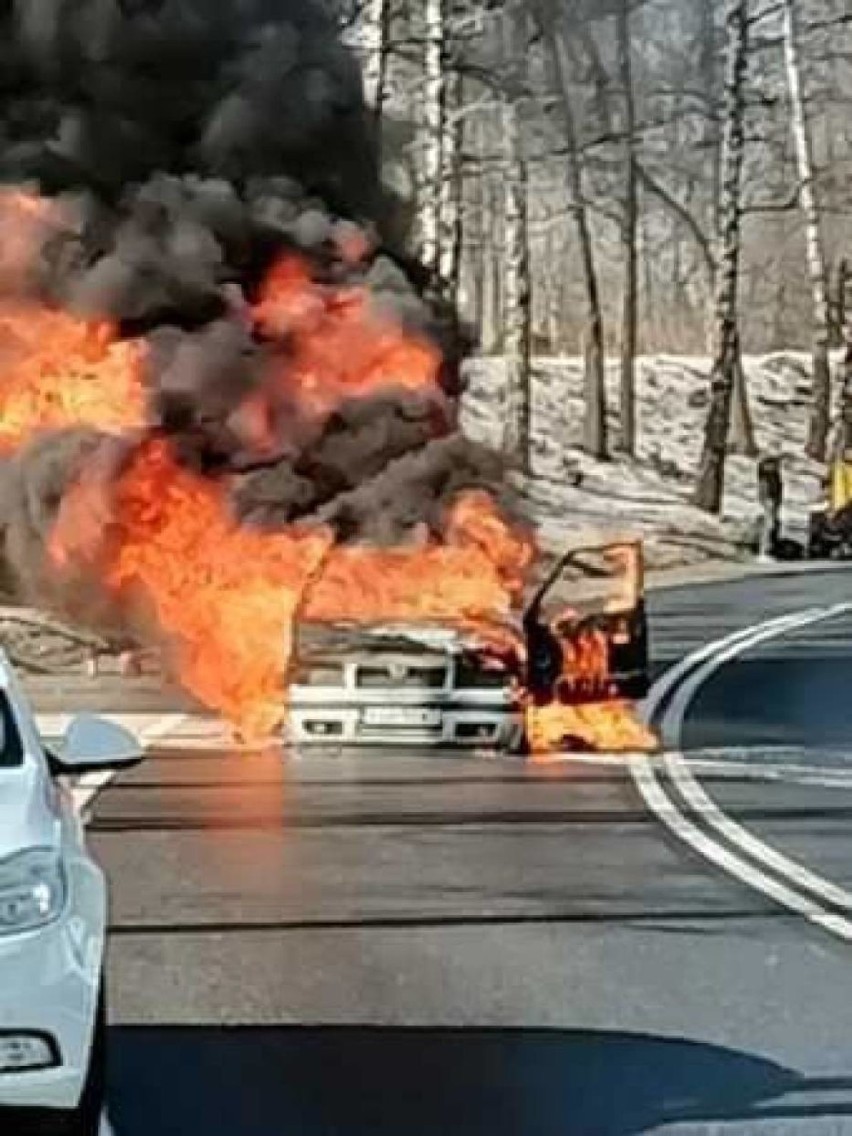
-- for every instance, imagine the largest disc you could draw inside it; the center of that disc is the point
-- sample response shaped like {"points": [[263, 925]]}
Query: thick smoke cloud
{"points": [[186, 144], [104, 92], [408, 498]]}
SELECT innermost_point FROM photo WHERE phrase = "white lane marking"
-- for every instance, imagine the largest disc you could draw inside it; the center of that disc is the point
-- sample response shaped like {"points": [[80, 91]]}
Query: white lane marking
{"points": [[712, 658], [666, 683], [714, 763], [724, 651], [668, 813], [699, 800], [90, 784], [105, 1128], [819, 776], [738, 767], [790, 869]]}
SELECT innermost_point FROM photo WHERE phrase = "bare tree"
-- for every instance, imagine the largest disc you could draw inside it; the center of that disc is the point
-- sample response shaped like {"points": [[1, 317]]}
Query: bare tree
{"points": [[741, 439], [450, 219], [839, 301], [434, 118], [492, 271], [595, 424], [629, 229], [375, 23], [516, 276], [476, 244], [821, 406], [844, 434], [623, 126], [711, 473], [708, 67]]}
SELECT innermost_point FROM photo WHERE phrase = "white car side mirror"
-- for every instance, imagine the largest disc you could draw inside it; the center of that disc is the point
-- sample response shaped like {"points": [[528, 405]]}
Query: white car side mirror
{"points": [[92, 744]]}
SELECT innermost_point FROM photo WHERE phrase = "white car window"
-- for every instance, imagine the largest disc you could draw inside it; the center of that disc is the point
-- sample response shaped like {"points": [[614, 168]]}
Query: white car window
{"points": [[11, 750]]}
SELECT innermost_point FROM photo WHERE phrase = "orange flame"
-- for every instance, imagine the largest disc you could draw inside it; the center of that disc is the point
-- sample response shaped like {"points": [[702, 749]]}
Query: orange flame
{"points": [[585, 661], [166, 545], [61, 371], [339, 344], [227, 596], [602, 726], [224, 595], [58, 371], [602, 721], [464, 579], [27, 221]]}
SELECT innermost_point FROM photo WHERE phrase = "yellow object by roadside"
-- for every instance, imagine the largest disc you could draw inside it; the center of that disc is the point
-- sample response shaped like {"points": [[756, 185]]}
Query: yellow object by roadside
{"points": [[841, 484]]}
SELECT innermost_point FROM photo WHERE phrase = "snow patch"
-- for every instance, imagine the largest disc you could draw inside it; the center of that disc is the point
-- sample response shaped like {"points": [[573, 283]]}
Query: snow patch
{"points": [[573, 497]]}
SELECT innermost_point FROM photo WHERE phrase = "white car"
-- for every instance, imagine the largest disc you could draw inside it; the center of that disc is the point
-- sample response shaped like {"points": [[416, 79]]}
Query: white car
{"points": [[53, 906]]}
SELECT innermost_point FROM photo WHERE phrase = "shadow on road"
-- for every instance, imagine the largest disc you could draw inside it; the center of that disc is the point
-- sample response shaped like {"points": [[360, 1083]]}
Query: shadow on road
{"points": [[366, 1081]]}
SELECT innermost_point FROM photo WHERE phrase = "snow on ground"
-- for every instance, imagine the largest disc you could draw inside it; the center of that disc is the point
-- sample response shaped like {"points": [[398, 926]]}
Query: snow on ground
{"points": [[650, 496]]}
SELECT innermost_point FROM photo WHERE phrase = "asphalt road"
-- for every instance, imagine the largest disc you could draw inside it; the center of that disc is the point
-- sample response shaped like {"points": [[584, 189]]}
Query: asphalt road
{"points": [[392, 944]]}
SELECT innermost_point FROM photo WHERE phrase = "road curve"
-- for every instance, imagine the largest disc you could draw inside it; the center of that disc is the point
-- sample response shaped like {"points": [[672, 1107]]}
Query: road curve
{"points": [[793, 735], [675, 795]]}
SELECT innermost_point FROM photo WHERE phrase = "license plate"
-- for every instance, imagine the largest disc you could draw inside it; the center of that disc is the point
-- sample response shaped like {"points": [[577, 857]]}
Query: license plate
{"points": [[401, 716]]}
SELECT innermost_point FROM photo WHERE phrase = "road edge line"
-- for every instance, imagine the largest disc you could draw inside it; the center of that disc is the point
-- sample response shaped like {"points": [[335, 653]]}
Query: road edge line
{"points": [[675, 675], [702, 803], [676, 822]]}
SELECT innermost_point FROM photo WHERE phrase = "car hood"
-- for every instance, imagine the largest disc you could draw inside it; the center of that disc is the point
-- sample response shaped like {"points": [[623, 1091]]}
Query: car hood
{"points": [[440, 638], [27, 819]]}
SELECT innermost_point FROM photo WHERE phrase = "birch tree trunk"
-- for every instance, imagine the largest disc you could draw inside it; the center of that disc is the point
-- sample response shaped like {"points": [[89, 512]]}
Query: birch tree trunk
{"points": [[708, 66], [516, 272], [741, 438], [821, 404], [595, 425], [473, 247], [711, 472], [844, 275], [628, 236], [845, 430], [708, 69], [375, 27], [450, 191], [433, 110], [492, 328], [844, 433], [838, 305]]}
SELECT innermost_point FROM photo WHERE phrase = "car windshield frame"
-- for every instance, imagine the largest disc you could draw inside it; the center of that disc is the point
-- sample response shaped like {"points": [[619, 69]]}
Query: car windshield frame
{"points": [[11, 742]]}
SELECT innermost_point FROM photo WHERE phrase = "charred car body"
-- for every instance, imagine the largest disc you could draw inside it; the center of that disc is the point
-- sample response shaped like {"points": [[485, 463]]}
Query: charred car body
{"points": [[439, 685]]}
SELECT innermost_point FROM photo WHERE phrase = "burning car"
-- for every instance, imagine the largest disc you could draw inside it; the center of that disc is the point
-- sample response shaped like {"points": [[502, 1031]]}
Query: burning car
{"points": [[231, 407], [546, 679], [381, 684]]}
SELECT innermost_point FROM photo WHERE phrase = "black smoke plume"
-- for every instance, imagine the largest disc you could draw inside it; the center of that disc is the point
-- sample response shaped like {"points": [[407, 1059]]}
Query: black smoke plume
{"points": [[187, 143]]}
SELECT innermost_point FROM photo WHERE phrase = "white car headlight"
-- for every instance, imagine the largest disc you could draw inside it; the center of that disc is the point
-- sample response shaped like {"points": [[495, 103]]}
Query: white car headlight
{"points": [[32, 890]]}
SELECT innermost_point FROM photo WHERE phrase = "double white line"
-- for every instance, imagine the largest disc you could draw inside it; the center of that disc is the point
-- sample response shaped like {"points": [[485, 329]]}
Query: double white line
{"points": [[697, 820]]}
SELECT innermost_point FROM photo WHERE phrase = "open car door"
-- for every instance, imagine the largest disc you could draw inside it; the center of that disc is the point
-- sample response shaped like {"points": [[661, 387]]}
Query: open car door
{"points": [[586, 628]]}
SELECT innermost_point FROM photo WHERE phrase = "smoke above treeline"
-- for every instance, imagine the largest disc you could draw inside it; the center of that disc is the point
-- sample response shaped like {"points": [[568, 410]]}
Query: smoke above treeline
{"points": [[187, 145]]}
